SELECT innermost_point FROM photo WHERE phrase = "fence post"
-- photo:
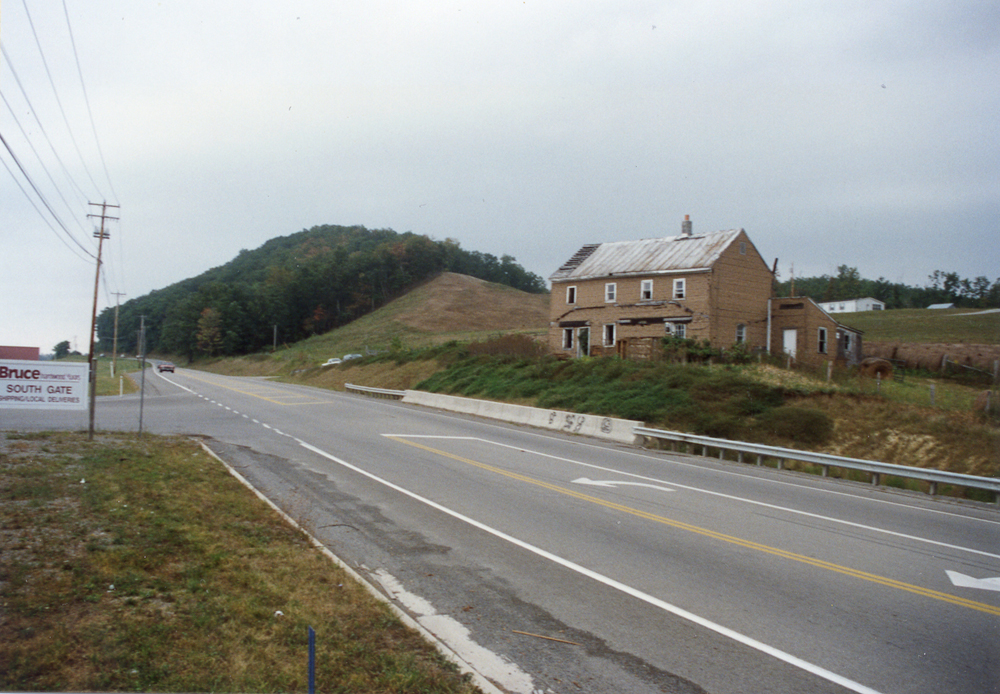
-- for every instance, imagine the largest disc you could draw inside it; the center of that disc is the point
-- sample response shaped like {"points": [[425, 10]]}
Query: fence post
{"points": [[829, 371], [932, 395], [878, 384]]}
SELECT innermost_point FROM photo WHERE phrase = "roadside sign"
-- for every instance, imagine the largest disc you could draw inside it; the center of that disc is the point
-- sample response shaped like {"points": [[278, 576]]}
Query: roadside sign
{"points": [[43, 385]]}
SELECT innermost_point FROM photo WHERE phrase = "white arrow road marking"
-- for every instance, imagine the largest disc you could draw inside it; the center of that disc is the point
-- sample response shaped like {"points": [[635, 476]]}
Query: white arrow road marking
{"points": [[963, 581], [612, 483]]}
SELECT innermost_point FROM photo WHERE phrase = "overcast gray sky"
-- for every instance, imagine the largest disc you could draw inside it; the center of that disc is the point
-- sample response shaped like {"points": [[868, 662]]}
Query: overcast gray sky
{"points": [[859, 133]]}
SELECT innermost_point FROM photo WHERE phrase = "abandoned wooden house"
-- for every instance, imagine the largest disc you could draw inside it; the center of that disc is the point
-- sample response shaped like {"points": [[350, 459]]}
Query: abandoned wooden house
{"points": [[621, 298]]}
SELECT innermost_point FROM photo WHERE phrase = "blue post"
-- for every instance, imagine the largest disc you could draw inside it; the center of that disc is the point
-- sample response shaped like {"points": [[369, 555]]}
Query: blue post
{"points": [[312, 661]]}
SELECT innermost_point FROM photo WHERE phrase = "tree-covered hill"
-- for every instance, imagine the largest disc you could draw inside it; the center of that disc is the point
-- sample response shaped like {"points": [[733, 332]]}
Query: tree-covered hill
{"points": [[296, 286]]}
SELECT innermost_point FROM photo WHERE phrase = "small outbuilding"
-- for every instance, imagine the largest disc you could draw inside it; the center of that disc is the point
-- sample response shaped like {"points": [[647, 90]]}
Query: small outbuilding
{"points": [[808, 334], [852, 305]]}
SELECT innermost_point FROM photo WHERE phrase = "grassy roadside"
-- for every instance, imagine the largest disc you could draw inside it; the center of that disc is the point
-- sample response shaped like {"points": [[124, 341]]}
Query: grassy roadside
{"points": [[124, 380], [143, 565]]}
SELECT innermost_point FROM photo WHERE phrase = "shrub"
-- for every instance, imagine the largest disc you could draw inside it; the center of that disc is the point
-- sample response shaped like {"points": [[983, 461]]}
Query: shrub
{"points": [[684, 350], [798, 424], [515, 345]]}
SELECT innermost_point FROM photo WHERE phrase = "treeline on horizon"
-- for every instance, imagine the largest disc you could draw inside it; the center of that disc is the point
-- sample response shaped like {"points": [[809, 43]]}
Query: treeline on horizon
{"points": [[942, 288], [294, 287]]}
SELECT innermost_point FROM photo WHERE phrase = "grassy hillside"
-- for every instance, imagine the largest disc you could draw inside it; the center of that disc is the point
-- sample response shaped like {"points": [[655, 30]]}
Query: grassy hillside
{"points": [[449, 307], [950, 326]]}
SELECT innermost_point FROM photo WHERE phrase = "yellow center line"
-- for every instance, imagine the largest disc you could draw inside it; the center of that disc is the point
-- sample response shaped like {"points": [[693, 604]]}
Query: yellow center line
{"points": [[261, 397], [792, 556]]}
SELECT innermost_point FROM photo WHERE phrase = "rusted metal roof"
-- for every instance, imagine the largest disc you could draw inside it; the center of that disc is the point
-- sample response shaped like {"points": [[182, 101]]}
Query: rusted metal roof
{"points": [[646, 256]]}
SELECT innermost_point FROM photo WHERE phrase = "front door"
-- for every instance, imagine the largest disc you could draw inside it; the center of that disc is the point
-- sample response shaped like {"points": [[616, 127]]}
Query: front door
{"points": [[789, 338]]}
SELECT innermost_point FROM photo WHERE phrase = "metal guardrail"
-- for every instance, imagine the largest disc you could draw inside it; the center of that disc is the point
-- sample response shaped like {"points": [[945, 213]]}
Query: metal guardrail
{"points": [[375, 392], [873, 467]]}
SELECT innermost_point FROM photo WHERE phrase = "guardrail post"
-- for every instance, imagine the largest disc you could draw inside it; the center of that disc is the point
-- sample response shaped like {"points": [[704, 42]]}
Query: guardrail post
{"points": [[875, 479], [760, 460], [826, 471], [781, 463], [932, 490]]}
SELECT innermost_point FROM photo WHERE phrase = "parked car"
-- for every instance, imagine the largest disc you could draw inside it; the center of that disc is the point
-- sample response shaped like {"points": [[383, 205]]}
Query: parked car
{"points": [[165, 366], [333, 361], [348, 357]]}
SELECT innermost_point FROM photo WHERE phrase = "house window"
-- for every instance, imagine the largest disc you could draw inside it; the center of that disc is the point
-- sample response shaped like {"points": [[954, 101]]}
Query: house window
{"points": [[741, 333], [821, 341], [570, 295], [610, 292], [676, 329], [609, 334], [567, 340], [847, 342], [646, 290], [679, 289], [743, 247]]}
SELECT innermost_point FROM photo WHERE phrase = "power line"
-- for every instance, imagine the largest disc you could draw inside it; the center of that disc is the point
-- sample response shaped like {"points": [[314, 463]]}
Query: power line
{"points": [[39, 158], [40, 196], [34, 112], [42, 215], [86, 100], [55, 93]]}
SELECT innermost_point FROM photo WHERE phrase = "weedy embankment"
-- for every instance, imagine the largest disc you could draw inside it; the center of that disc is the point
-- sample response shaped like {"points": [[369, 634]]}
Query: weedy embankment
{"points": [[143, 565]]}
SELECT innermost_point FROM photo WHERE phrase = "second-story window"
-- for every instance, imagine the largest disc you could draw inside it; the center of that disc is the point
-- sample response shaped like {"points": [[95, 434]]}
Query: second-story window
{"points": [[646, 290], [570, 295], [679, 289], [610, 292]]}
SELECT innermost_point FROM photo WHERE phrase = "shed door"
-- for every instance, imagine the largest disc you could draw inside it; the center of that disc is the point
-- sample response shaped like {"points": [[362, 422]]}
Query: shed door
{"points": [[788, 341]]}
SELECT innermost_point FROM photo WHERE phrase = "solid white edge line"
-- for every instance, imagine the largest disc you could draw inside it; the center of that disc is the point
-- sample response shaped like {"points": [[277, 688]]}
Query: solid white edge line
{"points": [[480, 681], [611, 583]]}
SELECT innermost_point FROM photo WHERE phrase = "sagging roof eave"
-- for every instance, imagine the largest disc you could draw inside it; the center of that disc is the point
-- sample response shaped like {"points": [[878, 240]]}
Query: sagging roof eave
{"points": [[616, 275]]}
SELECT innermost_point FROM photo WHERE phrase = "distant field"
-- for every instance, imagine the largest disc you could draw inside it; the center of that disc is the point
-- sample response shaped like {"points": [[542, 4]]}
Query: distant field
{"points": [[970, 326]]}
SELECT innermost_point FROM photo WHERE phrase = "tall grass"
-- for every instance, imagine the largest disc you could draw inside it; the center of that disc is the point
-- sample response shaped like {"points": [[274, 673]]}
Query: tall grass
{"points": [[145, 566]]}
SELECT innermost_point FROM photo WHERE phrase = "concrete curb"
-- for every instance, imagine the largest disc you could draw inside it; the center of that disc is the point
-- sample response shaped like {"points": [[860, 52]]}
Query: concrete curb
{"points": [[608, 428]]}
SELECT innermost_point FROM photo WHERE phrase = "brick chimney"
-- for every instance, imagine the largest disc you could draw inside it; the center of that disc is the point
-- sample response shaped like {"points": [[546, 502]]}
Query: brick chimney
{"points": [[686, 226]]}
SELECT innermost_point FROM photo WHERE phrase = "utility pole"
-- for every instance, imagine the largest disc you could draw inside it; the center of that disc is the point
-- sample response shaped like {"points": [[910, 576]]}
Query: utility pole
{"points": [[142, 366], [100, 236], [114, 350]]}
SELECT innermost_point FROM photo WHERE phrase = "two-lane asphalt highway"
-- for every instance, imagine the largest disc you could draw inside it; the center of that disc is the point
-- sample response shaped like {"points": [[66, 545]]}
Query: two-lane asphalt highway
{"points": [[582, 566]]}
